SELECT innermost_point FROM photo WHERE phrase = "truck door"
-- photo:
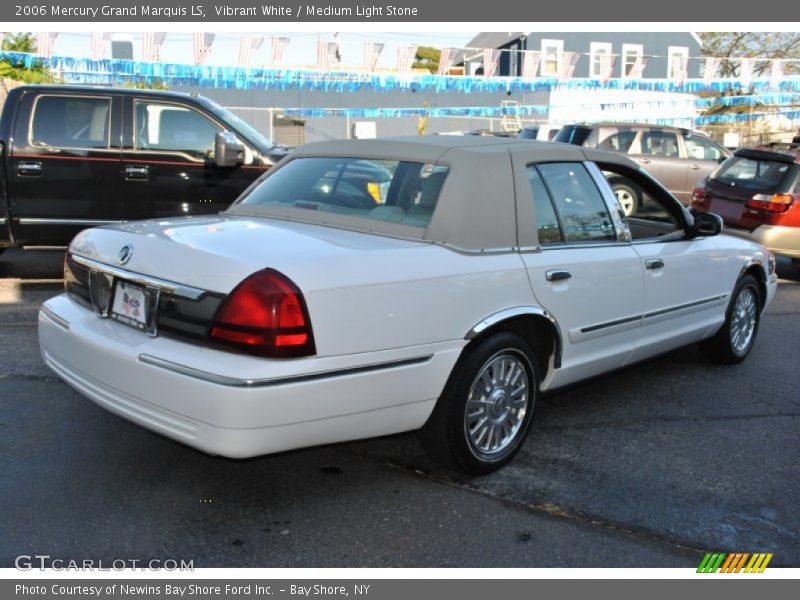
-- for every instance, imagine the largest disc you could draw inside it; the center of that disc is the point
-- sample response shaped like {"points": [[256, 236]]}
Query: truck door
{"points": [[64, 165], [168, 162]]}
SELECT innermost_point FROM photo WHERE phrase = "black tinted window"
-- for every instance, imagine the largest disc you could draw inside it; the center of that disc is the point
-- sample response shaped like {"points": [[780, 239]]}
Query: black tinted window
{"points": [[573, 134], [70, 122], [173, 128], [580, 206], [751, 174], [546, 220]]}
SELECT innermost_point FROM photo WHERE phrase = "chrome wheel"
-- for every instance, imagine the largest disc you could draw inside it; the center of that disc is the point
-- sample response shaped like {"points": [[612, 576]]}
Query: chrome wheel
{"points": [[497, 404], [626, 199], [744, 316]]}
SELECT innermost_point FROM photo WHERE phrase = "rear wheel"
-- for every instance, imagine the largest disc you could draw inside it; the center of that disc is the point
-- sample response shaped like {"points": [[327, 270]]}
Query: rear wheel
{"points": [[733, 342], [485, 411]]}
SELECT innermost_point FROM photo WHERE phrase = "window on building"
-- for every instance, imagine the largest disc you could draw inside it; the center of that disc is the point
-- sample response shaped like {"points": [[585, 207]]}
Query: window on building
{"points": [[552, 53], [630, 54], [599, 53], [677, 62]]}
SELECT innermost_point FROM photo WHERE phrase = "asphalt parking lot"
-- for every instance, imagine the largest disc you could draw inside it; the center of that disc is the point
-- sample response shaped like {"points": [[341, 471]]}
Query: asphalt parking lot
{"points": [[653, 467]]}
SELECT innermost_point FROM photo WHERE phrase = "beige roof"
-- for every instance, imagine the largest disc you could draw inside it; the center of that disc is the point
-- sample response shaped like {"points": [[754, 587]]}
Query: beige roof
{"points": [[476, 207]]}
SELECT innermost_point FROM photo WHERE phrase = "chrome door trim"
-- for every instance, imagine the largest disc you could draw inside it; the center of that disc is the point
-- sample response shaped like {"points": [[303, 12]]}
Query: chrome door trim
{"points": [[38, 221]]}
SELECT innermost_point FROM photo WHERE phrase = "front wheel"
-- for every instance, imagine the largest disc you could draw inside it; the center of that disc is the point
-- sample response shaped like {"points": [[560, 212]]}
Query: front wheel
{"points": [[627, 196], [485, 411], [733, 342]]}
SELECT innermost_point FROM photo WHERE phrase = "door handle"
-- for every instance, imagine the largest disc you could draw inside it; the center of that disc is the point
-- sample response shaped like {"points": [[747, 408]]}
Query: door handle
{"points": [[644, 161], [558, 275], [137, 172], [29, 169], [654, 263], [694, 167]]}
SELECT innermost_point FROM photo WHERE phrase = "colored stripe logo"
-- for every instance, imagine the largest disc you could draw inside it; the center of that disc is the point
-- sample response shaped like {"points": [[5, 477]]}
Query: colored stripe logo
{"points": [[736, 562]]}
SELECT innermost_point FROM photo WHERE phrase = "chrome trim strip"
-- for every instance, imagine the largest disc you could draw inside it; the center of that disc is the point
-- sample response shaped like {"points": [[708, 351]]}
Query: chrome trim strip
{"points": [[665, 311], [253, 383], [655, 313], [610, 324], [178, 289], [37, 221], [520, 311], [51, 316]]}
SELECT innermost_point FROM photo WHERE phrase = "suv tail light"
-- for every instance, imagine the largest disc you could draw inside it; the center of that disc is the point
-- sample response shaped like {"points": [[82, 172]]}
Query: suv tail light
{"points": [[700, 196], [264, 315], [775, 203]]}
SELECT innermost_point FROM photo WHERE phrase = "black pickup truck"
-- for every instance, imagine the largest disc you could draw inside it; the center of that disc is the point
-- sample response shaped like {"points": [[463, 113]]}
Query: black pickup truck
{"points": [[75, 157]]}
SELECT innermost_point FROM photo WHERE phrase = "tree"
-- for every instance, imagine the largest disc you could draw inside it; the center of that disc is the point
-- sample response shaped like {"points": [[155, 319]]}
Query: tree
{"points": [[427, 58], [16, 69], [733, 44], [19, 42]]}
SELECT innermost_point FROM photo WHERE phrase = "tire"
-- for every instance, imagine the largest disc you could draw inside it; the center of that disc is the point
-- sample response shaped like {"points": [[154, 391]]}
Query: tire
{"points": [[627, 196], [733, 342], [488, 380]]}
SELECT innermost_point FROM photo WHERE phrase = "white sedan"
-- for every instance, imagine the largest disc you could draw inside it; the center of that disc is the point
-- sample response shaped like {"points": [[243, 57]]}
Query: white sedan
{"points": [[369, 287]]}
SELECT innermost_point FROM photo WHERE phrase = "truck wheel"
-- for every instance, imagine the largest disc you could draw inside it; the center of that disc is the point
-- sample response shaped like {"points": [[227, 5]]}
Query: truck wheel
{"points": [[733, 342], [485, 411], [627, 196]]}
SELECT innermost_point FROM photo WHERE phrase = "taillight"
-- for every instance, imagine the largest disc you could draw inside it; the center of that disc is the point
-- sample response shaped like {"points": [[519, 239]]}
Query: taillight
{"points": [[700, 196], [776, 203], [264, 315]]}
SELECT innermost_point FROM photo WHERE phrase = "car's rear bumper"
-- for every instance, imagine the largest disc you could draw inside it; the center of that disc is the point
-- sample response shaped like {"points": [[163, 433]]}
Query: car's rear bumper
{"points": [[240, 406], [780, 240]]}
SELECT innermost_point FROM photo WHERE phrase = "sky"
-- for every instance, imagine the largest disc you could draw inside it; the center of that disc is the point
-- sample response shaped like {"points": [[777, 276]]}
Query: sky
{"points": [[177, 47]]}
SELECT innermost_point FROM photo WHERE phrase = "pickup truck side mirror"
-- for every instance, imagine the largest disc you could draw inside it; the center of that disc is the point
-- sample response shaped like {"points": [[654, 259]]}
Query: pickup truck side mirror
{"points": [[707, 224], [228, 150]]}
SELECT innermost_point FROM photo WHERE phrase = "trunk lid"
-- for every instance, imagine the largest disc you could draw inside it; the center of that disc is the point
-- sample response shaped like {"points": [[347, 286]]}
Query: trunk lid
{"points": [[216, 253]]}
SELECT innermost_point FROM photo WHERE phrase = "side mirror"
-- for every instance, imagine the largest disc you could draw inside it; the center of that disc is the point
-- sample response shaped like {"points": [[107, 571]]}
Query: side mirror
{"points": [[707, 224], [228, 150]]}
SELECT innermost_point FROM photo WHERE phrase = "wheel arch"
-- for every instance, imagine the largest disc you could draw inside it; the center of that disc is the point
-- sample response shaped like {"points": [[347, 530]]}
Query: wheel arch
{"points": [[537, 326], [754, 268]]}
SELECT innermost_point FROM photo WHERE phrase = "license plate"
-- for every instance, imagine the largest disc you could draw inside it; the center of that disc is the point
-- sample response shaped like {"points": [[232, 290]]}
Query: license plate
{"points": [[729, 211], [130, 305]]}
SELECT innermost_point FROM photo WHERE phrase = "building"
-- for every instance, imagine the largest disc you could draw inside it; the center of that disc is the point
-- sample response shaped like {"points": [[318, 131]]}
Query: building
{"points": [[663, 52]]}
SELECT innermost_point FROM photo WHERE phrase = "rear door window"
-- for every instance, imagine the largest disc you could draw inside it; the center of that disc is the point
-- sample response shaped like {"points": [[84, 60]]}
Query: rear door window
{"points": [[660, 143], [71, 122], [546, 220], [581, 209]]}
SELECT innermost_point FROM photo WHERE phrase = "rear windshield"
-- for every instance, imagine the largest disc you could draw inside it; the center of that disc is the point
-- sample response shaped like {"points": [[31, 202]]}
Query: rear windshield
{"points": [[382, 190], [573, 134], [751, 174]]}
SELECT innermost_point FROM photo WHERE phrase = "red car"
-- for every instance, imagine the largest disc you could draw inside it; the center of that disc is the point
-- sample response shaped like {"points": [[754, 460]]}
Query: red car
{"points": [[757, 194]]}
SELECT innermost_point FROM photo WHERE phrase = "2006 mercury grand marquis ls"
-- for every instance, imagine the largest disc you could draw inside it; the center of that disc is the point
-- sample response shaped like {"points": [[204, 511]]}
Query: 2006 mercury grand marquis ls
{"points": [[364, 288]]}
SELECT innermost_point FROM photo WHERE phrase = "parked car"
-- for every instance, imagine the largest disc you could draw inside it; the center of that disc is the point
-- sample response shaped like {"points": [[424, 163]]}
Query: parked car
{"points": [[543, 131], [490, 271], [677, 157], [757, 194], [75, 157]]}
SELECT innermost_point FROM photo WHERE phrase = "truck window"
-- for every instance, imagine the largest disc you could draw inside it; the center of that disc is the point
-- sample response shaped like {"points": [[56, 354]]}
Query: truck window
{"points": [[71, 122], [173, 128]]}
